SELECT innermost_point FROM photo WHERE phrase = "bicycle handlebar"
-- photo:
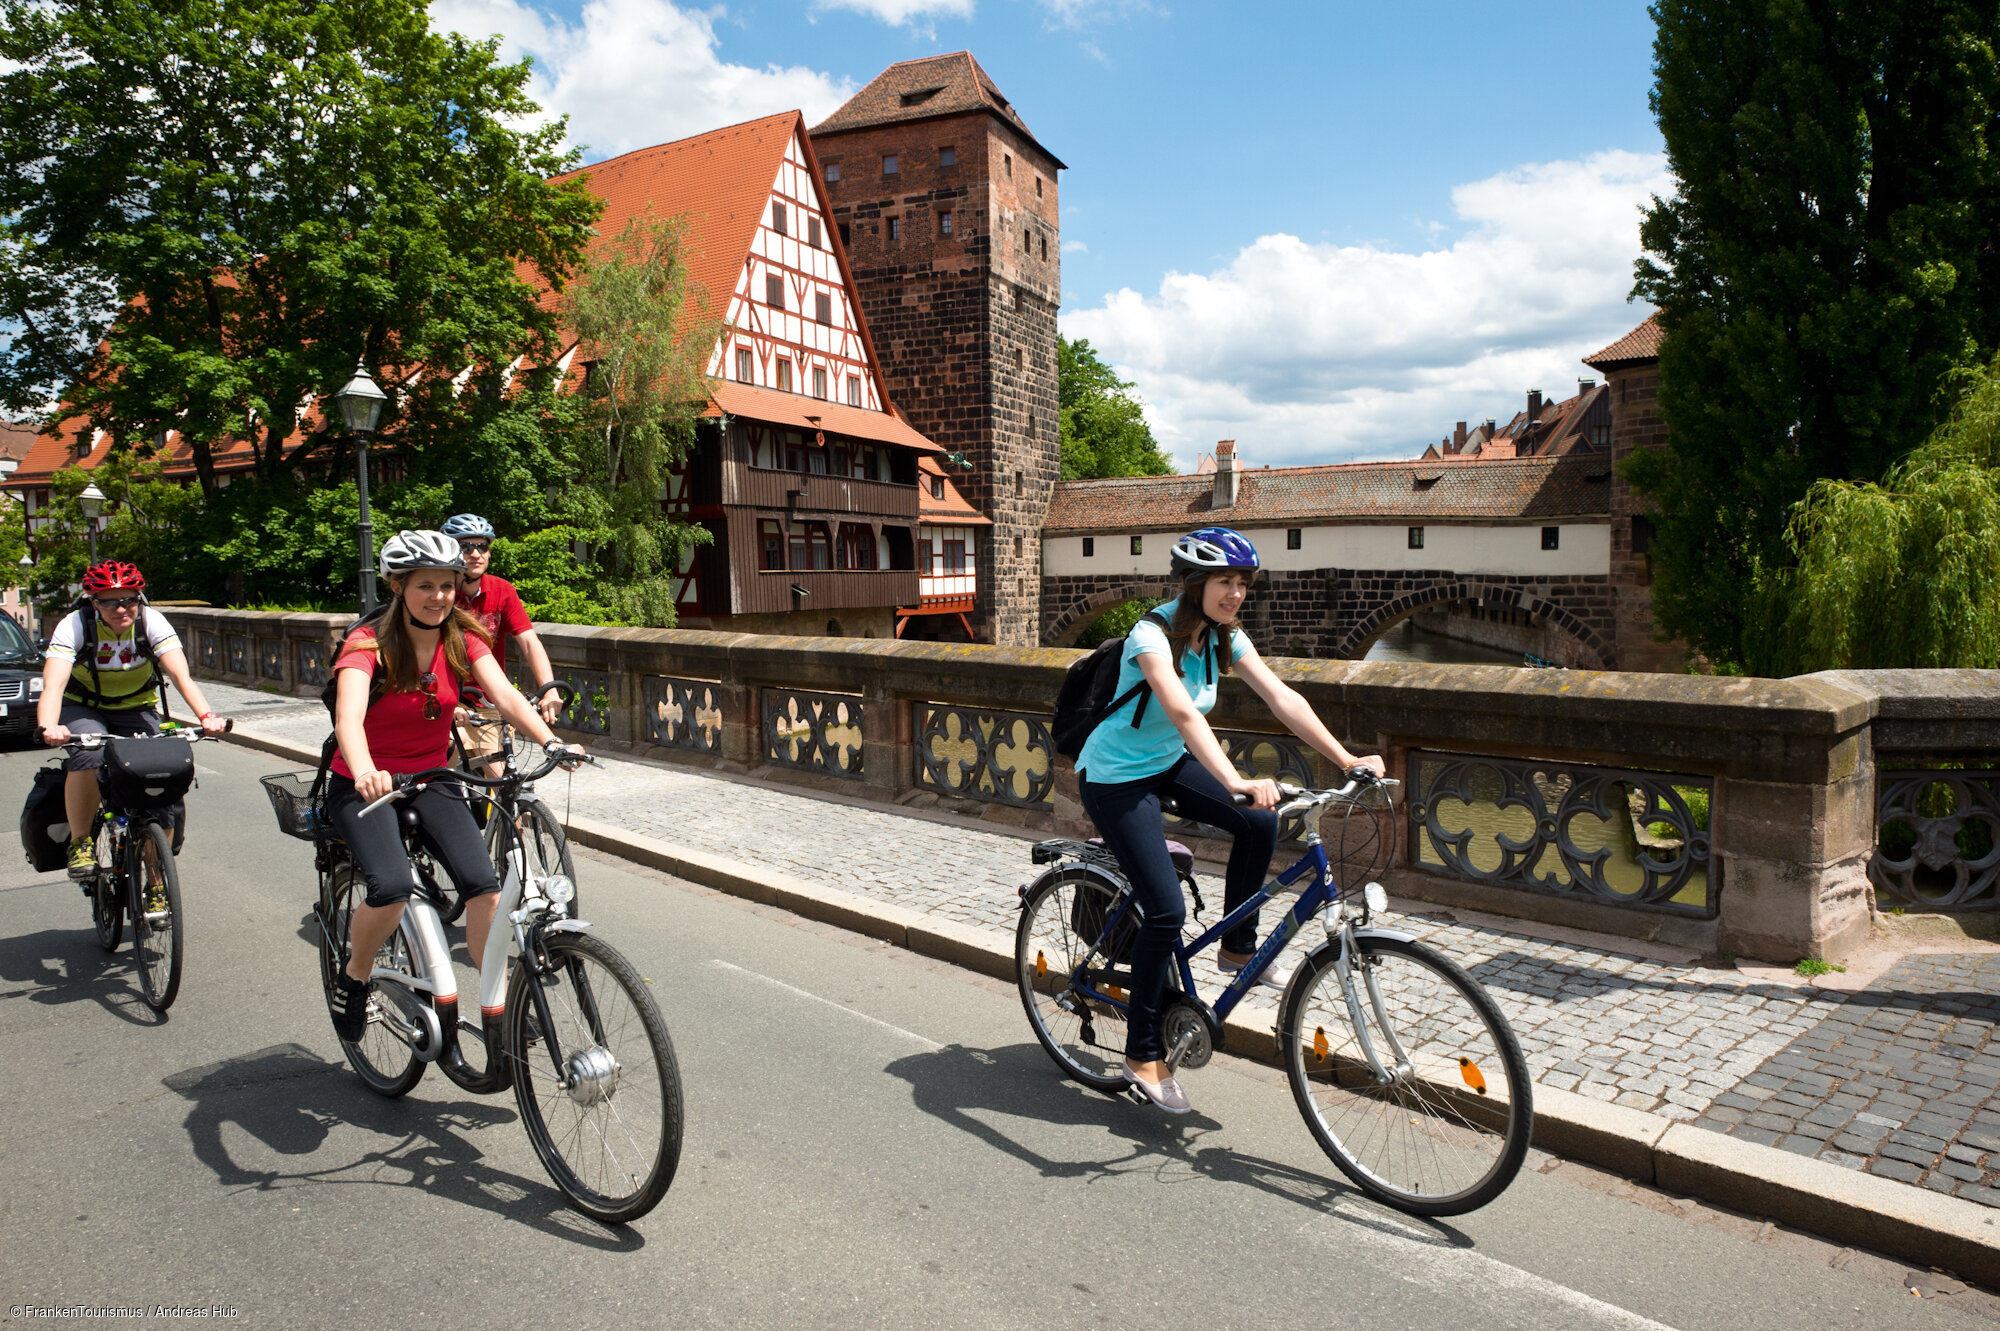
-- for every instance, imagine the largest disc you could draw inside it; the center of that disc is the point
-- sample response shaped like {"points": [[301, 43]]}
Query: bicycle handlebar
{"points": [[406, 782], [1358, 779], [92, 739]]}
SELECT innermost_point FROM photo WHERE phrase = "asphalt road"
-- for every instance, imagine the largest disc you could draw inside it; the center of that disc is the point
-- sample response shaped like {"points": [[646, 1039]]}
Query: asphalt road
{"points": [[873, 1139]]}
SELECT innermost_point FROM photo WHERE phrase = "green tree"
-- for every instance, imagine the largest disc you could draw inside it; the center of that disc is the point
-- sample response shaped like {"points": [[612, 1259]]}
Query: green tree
{"points": [[1905, 573], [644, 335], [211, 206], [1829, 257], [1104, 431]]}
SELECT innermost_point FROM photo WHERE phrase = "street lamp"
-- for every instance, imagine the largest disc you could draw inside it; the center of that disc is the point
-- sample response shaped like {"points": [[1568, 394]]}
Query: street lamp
{"points": [[360, 404], [91, 501]]}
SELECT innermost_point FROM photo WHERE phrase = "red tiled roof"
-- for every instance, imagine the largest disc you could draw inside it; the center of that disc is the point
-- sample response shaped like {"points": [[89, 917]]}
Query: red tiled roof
{"points": [[951, 511], [1514, 488], [797, 412], [1641, 344], [938, 85]]}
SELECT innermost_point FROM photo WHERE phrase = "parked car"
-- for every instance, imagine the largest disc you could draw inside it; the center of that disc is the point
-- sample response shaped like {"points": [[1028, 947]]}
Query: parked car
{"points": [[20, 680]]}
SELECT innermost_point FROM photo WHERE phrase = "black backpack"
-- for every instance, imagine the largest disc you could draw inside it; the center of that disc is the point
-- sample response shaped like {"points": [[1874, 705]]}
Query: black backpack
{"points": [[1085, 697]]}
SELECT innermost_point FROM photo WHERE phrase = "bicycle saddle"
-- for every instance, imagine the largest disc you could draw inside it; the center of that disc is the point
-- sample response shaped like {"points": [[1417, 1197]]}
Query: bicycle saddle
{"points": [[1182, 857]]}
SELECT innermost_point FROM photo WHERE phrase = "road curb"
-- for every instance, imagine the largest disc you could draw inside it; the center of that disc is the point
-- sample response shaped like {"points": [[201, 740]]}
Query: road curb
{"points": [[1915, 1224]]}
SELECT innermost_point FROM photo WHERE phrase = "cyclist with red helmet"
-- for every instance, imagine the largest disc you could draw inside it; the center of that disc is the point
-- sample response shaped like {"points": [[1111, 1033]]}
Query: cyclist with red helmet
{"points": [[102, 677], [1158, 742]]}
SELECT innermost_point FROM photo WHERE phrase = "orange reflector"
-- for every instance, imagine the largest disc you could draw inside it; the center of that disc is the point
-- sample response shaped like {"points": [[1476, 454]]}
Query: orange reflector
{"points": [[1470, 1071], [1041, 965], [1115, 992], [1319, 1044]]}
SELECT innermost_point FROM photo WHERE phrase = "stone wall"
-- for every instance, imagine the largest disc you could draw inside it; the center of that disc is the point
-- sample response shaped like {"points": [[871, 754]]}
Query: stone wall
{"points": [[1788, 766], [1635, 424], [1338, 612]]}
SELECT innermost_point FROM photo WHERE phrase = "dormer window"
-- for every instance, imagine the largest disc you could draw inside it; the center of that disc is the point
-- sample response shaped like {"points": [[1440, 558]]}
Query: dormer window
{"points": [[920, 96]]}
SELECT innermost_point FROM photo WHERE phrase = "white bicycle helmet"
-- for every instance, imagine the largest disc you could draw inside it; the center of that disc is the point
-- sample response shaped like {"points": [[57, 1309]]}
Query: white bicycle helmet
{"points": [[408, 551]]}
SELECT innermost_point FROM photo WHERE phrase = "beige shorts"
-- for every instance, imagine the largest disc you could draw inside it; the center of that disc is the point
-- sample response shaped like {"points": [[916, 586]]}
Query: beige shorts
{"points": [[484, 733]]}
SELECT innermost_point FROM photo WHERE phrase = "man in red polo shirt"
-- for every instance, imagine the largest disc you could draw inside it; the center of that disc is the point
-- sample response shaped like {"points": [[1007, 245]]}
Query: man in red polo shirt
{"points": [[493, 601]]}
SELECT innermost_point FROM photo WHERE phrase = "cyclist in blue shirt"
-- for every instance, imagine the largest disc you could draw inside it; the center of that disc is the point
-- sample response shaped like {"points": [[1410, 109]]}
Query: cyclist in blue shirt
{"points": [[1160, 743]]}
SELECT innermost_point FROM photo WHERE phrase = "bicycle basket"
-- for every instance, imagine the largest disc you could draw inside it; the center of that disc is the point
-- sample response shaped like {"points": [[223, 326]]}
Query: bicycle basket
{"points": [[291, 800]]}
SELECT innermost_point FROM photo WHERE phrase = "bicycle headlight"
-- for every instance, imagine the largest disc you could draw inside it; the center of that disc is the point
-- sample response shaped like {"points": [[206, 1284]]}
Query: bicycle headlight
{"points": [[1376, 897], [559, 889]]}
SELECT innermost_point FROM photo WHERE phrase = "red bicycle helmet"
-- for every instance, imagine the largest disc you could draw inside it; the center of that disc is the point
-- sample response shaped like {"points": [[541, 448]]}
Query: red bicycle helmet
{"points": [[113, 575]]}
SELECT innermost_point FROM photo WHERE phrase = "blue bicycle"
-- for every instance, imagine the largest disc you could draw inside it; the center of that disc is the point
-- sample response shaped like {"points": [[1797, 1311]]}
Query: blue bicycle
{"points": [[1404, 1068]]}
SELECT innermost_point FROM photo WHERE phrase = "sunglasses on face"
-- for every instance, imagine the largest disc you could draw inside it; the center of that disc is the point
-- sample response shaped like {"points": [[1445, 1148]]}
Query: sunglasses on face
{"points": [[429, 683], [475, 547], [114, 602]]}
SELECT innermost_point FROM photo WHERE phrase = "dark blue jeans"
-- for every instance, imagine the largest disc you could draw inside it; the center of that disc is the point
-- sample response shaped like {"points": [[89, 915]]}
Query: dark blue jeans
{"points": [[1128, 817]]}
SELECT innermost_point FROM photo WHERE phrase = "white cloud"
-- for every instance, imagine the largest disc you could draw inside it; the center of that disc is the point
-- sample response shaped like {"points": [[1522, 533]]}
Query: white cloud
{"points": [[1075, 247], [902, 12], [1309, 353], [632, 73]]}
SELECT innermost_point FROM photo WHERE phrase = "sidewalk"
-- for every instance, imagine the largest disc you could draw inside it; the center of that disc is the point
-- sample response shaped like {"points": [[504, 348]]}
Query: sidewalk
{"points": [[1895, 1075]]}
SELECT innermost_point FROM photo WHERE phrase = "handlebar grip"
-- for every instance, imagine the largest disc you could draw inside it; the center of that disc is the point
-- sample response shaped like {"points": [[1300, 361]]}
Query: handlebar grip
{"points": [[1239, 798]]}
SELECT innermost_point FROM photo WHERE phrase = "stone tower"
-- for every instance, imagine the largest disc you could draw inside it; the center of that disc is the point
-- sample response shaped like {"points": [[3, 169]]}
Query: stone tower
{"points": [[947, 207]]}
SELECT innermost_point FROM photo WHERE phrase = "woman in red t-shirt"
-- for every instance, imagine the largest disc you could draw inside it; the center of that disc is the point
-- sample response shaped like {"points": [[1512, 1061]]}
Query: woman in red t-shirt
{"points": [[429, 649]]}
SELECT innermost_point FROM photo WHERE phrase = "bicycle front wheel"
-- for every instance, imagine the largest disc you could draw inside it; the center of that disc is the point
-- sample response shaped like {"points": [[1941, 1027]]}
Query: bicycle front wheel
{"points": [[1085, 1037], [107, 891], [606, 1120], [155, 907], [544, 846], [1448, 1129], [386, 1064]]}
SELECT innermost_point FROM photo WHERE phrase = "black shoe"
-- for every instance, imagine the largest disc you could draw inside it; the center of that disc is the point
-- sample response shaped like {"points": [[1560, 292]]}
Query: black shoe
{"points": [[349, 1005]]}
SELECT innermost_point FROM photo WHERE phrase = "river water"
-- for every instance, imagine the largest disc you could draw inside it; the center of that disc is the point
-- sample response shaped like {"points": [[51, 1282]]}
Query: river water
{"points": [[1407, 642]]}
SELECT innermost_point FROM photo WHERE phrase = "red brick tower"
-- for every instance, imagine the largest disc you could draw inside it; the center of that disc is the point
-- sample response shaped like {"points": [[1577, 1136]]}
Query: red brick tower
{"points": [[946, 205], [1631, 368]]}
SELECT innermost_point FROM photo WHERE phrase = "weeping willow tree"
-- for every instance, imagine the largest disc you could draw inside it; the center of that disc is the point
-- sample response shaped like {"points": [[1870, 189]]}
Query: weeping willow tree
{"points": [[1904, 573], [643, 329]]}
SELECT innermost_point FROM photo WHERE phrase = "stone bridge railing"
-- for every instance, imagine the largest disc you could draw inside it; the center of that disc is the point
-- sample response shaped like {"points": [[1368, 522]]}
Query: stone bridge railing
{"points": [[1768, 818]]}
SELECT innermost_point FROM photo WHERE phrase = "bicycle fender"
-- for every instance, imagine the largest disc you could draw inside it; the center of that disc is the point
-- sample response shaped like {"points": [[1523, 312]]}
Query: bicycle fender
{"points": [[565, 926], [1110, 880], [1394, 935]]}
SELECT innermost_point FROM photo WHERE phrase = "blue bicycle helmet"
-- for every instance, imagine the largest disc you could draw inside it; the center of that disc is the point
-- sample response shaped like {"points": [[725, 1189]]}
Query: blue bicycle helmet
{"points": [[1207, 549], [468, 526]]}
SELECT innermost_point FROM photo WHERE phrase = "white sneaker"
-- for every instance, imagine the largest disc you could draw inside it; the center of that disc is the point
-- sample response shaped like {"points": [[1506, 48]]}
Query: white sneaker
{"points": [[1274, 976], [1166, 1093]]}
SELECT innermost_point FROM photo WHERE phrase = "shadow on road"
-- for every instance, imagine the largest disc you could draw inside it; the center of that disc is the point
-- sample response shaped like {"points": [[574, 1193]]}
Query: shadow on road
{"points": [[954, 1083], [71, 966], [290, 1100]]}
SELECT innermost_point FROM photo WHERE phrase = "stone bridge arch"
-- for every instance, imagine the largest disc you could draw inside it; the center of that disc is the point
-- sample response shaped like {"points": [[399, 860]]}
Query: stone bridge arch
{"points": [[1071, 605], [1593, 652]]}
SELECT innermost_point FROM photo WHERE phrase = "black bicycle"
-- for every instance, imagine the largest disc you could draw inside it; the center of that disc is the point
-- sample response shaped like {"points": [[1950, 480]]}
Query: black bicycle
{"points": [[566, 1019], [138, 829]]}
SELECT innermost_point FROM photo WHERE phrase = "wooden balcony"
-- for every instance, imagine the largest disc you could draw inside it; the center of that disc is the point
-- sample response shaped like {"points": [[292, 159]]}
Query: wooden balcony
{"points": [[828, 589], [806, 492]]}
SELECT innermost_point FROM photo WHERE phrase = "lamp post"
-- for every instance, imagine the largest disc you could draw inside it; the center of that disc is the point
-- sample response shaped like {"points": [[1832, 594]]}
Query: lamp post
{"points": [[27, 597], [360, 404], [91, 501]]}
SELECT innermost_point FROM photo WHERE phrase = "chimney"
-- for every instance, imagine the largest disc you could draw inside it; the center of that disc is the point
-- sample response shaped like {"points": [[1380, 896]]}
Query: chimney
{"points": [[1584, 386], [1458, 438], [1534, 405], [1225, 473]]}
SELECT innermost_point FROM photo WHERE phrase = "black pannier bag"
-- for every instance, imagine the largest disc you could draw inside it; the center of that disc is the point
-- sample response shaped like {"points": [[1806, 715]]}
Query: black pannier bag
{"points": [[44, 823], [1088, 913], [146, 772]]}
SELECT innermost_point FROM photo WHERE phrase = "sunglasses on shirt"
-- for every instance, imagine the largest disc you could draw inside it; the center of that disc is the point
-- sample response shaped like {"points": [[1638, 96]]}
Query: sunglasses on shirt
{"points": [[428, 681]]}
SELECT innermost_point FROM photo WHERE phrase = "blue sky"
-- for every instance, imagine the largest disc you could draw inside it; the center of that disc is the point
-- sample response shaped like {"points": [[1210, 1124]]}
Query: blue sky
{"points": [[1327, 230]]}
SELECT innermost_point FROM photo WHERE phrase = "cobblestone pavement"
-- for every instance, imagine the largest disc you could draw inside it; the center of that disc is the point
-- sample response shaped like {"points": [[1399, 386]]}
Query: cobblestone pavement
{"points": [[1715, 1047], [1899, 1080]]}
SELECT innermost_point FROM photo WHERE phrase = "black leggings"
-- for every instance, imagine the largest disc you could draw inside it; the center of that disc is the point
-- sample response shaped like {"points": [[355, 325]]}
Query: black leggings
{"points": [[376, 842], [1128, 817]]}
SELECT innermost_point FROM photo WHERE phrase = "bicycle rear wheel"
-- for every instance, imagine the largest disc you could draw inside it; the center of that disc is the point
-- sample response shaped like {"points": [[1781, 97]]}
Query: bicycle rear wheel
{"points": [[1086, 1038], [385, 1064], [607, 1123], [155, 907], [1449, 1130], [107, 891]]}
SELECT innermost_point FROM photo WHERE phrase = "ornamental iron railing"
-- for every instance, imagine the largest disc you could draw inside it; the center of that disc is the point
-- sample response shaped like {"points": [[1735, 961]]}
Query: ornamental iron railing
{"points": [[1937, 839], [972, 753], [683, 713], [271, 658], [312, 663], [1626, 838], [206, 650], [238, 648], [813, 732]]}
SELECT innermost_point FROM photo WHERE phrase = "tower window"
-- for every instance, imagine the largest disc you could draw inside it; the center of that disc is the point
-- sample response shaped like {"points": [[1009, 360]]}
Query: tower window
{"points": [[743, 370], [1007, 164], [778, 218], [845, 239], [1038, 187], [1416, 538], [1017, 358], [833, 173], [812, 232], [1045, 247], [823, 307], [889, 164], [774, 291], [895, 228], [947, 157], [1294, 537], [1552, 538], [1017, 482], [944, 224], [1090, 547], [1027, 243], [1017, 546]]}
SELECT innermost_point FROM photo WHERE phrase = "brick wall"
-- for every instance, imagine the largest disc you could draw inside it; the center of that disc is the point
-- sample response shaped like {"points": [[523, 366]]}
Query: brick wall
{"points": [[965, 324], [1635, 424]]}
